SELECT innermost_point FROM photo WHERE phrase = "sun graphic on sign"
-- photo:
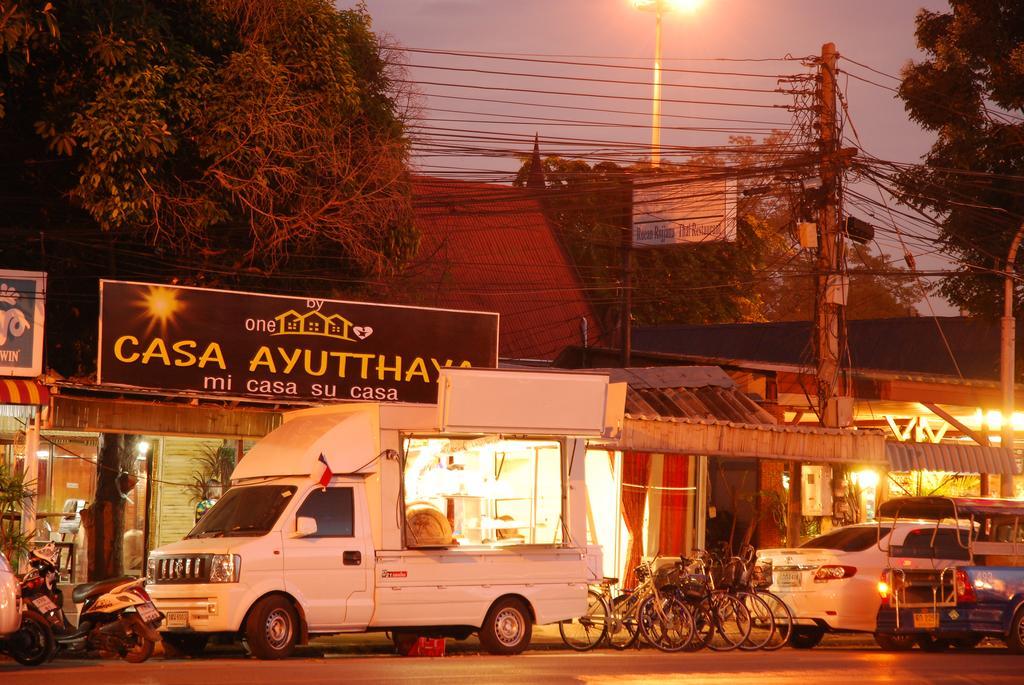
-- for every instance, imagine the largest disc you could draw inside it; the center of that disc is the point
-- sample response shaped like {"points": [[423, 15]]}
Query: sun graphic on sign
{"points": [[161, 307]]}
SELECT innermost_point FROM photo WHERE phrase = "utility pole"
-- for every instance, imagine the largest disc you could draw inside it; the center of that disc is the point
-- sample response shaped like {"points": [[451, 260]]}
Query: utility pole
{"points": [[1007, 352], [830, 304], [626, 309]]}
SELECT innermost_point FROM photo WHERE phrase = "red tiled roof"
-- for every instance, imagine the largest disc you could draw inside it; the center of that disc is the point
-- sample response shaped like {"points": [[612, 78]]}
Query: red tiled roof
{"points": [[488, 247]]}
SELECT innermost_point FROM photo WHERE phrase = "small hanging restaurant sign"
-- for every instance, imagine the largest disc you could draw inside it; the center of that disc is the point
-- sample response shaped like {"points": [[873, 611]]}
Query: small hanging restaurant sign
{"points": [[683, 210], [249, 345]]}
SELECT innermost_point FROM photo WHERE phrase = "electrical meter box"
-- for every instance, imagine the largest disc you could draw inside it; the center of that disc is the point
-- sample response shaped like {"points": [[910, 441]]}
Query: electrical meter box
{"points": [[816, 490]]}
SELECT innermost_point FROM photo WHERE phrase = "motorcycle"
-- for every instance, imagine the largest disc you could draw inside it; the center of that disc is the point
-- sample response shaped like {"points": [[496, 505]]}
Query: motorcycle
{"points": [[117, 619], [24, 635]]}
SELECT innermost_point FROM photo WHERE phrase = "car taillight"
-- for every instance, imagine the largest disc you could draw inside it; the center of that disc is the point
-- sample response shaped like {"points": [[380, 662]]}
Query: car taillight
{"points": [[883, 589], [826, 573], [964, 589]]}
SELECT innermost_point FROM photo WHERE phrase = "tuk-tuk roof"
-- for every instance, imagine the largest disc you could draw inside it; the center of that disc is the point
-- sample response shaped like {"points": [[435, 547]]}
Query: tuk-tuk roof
{"points": [[937, 508]]}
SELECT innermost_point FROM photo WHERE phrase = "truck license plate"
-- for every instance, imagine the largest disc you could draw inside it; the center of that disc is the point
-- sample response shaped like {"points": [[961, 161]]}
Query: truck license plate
{"points": [[926, 619], [177, 619], [788, 578]]}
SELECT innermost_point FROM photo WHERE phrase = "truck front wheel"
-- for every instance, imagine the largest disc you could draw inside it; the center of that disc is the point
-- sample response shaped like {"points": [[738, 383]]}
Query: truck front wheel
{"points": [[272, 628], [507, 628]]}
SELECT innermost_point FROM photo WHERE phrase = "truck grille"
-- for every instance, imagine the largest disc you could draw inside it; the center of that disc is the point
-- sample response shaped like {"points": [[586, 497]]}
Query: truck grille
{"points": [[194, 568]]}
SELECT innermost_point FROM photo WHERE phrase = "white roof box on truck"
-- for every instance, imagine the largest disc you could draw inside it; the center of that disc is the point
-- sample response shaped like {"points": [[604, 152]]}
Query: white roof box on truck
{"points": [[469, 401], [537, 402]]}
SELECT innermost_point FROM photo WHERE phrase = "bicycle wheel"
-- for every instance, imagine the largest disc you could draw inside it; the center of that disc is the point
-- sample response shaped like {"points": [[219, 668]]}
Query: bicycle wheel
{"points": [[587, 631], [732, 622], [783, 618], [762, 624], [703, 626], [665, 622], [623, 630]]}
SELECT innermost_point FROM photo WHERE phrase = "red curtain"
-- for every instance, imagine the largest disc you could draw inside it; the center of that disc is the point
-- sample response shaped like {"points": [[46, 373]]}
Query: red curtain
{"points": [[674, 504], [636, 470]]}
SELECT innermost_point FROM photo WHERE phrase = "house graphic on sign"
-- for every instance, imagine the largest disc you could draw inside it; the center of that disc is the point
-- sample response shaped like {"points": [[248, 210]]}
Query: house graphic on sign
{"points": [[313, 323]]}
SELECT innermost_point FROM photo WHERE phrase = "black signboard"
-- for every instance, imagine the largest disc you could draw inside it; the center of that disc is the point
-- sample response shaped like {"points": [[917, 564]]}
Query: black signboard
{"points": [[217, 342]]}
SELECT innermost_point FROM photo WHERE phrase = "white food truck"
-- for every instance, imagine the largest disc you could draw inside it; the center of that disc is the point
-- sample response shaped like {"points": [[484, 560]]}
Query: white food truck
{"points": [[423, 520]]}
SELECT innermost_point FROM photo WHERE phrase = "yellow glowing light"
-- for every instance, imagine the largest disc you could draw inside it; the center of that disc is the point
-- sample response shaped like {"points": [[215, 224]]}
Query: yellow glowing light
{"points": [[994, 420], [866, 479], [160, 306], [686, 6], [883, 588]]}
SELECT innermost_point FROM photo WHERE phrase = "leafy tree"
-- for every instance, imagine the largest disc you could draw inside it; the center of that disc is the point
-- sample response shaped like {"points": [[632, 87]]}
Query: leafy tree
{"points": [[23, 27], [241, 143], [697, 283], [878, 289], [969, 90]]}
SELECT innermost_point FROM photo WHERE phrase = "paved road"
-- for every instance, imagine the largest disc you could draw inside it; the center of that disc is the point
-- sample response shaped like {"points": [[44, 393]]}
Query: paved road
{"points": [[825, 666]]}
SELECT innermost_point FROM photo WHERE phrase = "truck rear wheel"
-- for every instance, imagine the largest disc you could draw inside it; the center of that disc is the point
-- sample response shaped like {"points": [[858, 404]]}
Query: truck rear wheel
{"points": [[1015, 638], [507, 628], [272, 628]]}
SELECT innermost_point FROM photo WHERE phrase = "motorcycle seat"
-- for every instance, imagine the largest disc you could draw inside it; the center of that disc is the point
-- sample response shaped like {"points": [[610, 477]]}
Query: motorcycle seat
{"points": [[87, 590]]}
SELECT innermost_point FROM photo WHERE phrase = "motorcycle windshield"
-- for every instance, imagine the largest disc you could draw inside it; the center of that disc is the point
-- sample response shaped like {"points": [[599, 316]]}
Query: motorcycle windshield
{"points": [[249, 511]]}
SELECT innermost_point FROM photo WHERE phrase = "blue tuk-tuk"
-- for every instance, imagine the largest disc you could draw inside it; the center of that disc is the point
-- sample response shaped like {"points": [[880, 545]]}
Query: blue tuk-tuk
{"points": [[980, 595]]}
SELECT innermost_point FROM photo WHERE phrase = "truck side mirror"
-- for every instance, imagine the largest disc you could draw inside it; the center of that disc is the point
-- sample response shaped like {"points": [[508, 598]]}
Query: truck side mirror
{"points": [[305, 526]]}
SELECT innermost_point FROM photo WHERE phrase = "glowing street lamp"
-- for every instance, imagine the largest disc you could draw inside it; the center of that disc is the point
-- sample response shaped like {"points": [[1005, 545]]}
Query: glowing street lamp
{"points": [[659, 7]]}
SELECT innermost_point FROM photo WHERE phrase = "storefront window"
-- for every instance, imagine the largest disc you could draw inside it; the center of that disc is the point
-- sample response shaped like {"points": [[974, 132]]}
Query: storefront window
{"points": [[483, 491]]}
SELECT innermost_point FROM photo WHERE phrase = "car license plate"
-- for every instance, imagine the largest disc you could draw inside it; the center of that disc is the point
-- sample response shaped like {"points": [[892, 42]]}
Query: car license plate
{"points": [[44, 604], [787, 578], [177, 619], [926, 619]]}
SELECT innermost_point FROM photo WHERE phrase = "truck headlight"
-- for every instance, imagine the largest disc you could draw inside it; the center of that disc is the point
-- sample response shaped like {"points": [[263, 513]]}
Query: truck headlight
{"points": [[151, 570], [225, 568]]}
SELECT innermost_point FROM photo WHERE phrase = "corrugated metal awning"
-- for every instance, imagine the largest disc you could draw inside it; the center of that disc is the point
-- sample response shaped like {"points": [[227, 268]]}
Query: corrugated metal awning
{"points": [[764, 441], [958, 458]]}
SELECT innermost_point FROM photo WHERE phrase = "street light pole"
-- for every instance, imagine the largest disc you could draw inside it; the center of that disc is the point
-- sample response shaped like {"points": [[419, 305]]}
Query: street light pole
{"points": [[1007, 352], [656, 95]]}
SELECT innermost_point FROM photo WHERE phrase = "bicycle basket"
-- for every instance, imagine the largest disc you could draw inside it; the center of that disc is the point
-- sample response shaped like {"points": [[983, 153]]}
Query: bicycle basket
{"points": [[693, 586], [668, 575], [725, 577]]}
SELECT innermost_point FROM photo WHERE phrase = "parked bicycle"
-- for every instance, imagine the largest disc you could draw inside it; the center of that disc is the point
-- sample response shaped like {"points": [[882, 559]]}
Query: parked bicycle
{"points": [[721, 621], [624, 619]]}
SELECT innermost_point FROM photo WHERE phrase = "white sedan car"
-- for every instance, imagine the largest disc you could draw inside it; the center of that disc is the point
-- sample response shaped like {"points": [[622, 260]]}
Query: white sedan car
{"points": [[831, 581]]}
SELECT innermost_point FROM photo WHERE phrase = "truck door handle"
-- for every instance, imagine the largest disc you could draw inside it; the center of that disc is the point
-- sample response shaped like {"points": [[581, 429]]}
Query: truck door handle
{"points": [[352, 558]]}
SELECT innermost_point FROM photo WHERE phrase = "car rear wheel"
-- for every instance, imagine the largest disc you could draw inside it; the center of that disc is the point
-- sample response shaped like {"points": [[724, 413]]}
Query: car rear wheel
{"points": [[806, 638]]}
